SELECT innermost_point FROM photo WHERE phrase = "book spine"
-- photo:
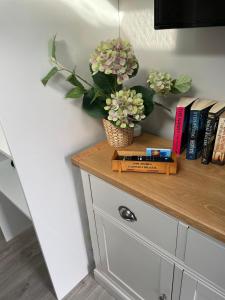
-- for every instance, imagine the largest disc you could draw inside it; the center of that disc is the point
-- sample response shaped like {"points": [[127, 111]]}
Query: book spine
{"points": [[185, 128], [219, 148], [201, 130], [192, 135], [178, 129], [209, 139]]}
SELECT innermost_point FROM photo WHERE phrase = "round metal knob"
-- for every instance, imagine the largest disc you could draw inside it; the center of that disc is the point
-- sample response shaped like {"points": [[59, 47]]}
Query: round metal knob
{"points": [[127, 214]]}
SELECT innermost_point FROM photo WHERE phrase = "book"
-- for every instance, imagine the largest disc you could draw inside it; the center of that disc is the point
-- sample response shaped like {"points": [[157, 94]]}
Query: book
{"points": [[181, 124], [219, 147], [210, 132], [159, 152], [197, 124]]}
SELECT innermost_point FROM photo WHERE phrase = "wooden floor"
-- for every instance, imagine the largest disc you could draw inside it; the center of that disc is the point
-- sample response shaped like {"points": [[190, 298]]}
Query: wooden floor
{"points": [[23, 274]]}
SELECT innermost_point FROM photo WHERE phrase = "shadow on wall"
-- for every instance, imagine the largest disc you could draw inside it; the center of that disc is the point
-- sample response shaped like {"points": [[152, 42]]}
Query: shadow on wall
{"points": [[137, 24], [209, 41]]}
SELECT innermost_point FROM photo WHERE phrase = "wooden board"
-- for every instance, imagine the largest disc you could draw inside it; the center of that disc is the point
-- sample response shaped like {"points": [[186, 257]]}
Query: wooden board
{"points": [[195, 195]]}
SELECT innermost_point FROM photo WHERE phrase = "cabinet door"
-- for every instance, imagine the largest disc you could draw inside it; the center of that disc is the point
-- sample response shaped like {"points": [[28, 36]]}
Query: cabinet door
{"points": [[206, 256], [132, 264], [194, 290]]}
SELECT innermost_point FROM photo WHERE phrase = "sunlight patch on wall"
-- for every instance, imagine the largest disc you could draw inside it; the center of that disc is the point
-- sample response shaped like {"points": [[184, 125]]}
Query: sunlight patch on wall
{"points": [[97, 13], [138, 27]]}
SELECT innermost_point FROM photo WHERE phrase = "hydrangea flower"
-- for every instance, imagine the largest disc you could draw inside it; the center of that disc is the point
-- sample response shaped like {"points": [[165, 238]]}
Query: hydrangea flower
{"points": [[125, 107], [160, 82], [114, 57]]}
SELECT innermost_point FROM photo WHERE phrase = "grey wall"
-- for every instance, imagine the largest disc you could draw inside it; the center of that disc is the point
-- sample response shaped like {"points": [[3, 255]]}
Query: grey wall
{"points": [[199, 52]]}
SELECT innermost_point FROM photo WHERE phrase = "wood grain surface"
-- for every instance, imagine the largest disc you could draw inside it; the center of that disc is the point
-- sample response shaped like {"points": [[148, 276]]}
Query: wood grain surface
{"points": [[196, 195]]}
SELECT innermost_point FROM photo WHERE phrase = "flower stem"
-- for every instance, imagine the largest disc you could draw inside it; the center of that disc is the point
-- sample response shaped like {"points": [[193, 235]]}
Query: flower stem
{"points": [[84, 80], [63, 68], [163, 106]]}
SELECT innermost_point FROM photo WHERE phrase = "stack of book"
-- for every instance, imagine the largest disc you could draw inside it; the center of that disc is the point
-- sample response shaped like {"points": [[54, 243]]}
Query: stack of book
{"points": [[200, 128]]}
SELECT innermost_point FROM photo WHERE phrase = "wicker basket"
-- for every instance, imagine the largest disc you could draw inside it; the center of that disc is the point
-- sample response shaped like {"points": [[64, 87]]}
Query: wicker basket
{"points": [[118, 137]]}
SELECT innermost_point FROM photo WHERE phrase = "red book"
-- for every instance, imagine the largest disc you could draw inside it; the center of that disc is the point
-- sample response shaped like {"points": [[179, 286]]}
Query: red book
{"points": [[181, 124]]}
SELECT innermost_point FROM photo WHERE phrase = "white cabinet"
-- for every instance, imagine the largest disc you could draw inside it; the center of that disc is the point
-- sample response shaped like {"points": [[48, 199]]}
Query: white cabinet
{"points": [[142, 253], [11, 187], [193, 289], [154, 225], [14, 213], [132, 264], [206, 256]]}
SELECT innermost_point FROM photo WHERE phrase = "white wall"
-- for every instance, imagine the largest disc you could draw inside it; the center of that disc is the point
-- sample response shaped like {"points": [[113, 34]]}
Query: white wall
{"points": [[198, 52], [43, 129]]}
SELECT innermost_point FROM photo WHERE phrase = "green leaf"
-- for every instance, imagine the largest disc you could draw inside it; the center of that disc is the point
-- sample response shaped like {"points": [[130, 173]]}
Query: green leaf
{"points": [[50, 74], [94, 108], [147, 95], [97, 94], [52, 47], [107, 83], [74, 81], [182, 84], [75, 93]]}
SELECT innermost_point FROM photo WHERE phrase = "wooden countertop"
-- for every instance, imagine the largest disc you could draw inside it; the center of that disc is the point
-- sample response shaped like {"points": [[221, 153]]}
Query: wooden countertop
{"points": [[196, 195]]}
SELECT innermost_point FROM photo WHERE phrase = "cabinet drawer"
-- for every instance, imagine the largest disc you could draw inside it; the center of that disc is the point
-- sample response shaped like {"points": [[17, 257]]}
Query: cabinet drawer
{"points": [[206, 256], [151, 223]]}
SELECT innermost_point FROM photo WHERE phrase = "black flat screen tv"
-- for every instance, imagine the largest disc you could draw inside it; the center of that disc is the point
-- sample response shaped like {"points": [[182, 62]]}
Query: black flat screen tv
{"points": [[188, 13]]}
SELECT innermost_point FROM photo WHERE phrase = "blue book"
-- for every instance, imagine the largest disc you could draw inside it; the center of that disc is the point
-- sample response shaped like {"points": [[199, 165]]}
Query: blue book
{"points": [[197, 126]]}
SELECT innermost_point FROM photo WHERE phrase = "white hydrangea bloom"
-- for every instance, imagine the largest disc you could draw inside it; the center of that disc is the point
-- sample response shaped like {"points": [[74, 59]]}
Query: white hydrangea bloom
{"points": [[114, 57], [125, 107], [160, 82]]}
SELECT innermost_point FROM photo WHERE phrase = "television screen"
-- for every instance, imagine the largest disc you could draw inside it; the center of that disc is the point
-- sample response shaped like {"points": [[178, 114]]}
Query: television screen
{"points": [[189, 13]]}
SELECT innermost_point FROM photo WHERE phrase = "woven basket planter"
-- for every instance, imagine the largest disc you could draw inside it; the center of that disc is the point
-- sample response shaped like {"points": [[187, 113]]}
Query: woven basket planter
{"points": [[118, 137]]}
